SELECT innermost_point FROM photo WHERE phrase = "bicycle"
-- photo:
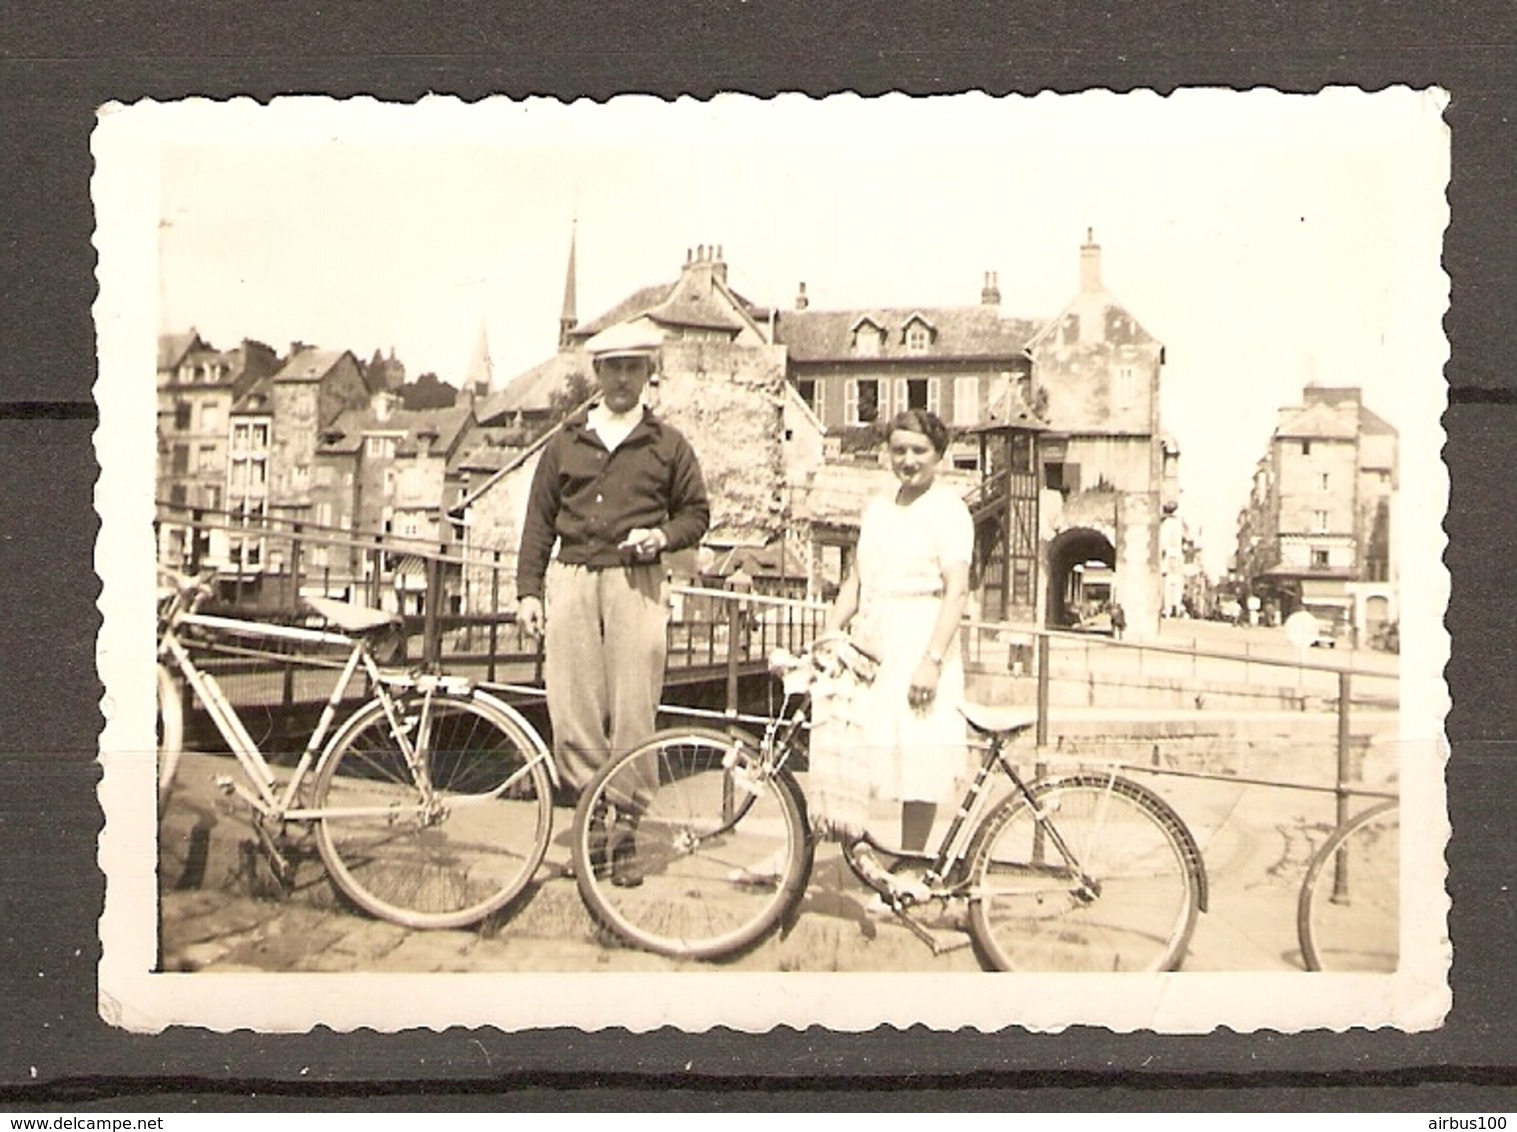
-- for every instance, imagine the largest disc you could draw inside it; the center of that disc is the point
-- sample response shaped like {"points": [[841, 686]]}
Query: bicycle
{"points": [[431, 803], [1348, 913], [697, 845]]}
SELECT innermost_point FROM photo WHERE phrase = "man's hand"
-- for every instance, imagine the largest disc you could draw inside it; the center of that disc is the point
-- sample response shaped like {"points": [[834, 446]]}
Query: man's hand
{"points": [[645, 543], [529, 616]]}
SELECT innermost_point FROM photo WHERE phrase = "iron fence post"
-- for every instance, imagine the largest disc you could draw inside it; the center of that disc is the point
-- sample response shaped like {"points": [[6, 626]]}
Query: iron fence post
{"points": [[1044, 651], [1341, 792], [431, 630], [733, 617], [495, 612]]}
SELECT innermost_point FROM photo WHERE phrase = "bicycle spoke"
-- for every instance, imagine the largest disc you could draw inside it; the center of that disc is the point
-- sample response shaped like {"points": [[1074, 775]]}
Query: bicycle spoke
{"points": [[461, 812], [1031, 910], [690, 838]]}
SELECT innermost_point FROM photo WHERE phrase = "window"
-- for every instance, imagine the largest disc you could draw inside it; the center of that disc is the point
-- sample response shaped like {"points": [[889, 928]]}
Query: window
{"points": [[181, 464], [1021, 584], [300, 477], [1319, 522], [810, 393], [1322, 481], [917, 339], [863, 401], [182, 411], [207, 458], [176, 494], [1125, 387], [210, 495], [240, 433], [210, 418], [917, 393], [380, 448], [1319, 559], [258, 473], [1061, 477], [239, 475], [866, 340], [1306, 448], [966, 400], [260, 436]]}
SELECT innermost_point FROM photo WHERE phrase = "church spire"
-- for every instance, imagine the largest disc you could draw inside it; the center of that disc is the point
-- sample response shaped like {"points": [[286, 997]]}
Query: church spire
{"points": [[567, 318]]}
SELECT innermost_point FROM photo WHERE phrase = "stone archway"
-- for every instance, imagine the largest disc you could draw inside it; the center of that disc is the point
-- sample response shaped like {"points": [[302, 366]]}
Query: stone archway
{"points": [[1067, 550]]}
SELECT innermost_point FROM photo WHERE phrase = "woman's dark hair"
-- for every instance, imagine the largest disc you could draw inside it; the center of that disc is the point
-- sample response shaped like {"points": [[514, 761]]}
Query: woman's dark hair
{"points": [[921, 421]]}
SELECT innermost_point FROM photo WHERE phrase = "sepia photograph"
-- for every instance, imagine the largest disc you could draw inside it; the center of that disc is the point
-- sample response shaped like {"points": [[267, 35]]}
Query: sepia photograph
{"points": [[963, 561]]}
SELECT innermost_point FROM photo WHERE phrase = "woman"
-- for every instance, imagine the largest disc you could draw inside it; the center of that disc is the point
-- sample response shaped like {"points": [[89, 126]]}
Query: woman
{"points": [[902, 603]]}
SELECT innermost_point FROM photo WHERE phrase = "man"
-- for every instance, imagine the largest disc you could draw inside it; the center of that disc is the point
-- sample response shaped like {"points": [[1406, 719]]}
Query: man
{"points": [[616, 487]]}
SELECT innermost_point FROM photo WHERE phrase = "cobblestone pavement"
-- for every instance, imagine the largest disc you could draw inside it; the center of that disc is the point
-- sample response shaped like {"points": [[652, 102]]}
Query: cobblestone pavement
{"points": [[1256, 841]]}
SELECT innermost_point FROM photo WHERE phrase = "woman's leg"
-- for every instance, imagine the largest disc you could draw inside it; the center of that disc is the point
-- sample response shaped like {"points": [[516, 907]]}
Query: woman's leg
{"points": [[916, 824]]}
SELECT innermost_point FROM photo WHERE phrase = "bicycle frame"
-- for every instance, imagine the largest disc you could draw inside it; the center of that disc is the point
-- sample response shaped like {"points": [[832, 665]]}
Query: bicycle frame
{"points": [[229, 723], [269, 801], [782, 731]]}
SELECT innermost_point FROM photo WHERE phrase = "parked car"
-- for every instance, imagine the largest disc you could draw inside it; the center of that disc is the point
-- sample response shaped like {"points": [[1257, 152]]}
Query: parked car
{"points": [[1327, 634]]}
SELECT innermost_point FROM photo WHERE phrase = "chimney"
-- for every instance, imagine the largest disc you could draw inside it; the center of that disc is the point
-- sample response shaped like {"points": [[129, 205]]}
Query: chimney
{"points": [[801, 301], [707, 261], [990, 293], [1090, 262]]}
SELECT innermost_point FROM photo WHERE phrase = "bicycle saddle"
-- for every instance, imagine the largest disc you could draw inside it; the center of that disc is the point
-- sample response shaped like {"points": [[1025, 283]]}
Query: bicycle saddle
{"points": [[348, 617], [999, 719]]}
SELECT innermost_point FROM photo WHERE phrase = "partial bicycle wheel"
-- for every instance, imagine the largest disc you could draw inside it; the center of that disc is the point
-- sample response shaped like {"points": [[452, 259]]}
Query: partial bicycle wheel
{"points": [[170, 730], [1349, 914], [444, 843], [680, 851], [1111, 882]]}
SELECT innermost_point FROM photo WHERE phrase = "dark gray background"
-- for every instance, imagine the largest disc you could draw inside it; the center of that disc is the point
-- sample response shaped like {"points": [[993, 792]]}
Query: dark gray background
{"points": [[56, 66]]}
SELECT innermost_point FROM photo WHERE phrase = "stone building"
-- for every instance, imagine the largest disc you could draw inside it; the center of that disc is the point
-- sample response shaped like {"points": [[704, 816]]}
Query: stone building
{"points": [[1316, 532], [778, 460], [1087, 382], [1108, 477], [856, 368], [384, 470], [197, 387]]}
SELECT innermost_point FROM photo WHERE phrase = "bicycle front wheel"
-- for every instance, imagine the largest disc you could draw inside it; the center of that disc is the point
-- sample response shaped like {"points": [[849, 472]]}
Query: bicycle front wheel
{"points": [[170, 734], [1104, 882], [435, 819], [1349, 914], [682, 855]]}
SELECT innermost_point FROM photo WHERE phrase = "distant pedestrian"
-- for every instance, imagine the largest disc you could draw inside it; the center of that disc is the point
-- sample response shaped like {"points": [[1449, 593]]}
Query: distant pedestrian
{"points": [[1118, 620], [615, 488]]}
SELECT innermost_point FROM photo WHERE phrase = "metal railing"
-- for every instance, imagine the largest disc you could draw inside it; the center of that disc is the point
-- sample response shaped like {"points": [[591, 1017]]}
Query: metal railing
{"points": [[466, 623]]}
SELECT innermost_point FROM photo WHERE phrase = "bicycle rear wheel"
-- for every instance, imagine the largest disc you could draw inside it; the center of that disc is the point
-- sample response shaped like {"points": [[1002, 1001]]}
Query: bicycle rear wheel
{"points": [[674, 854], [170, 734], [1349, 913], [1122, 894], [445, 844]]}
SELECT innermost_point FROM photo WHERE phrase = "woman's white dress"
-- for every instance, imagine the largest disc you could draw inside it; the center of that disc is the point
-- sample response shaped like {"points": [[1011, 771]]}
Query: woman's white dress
{"points": [[868, 739]]}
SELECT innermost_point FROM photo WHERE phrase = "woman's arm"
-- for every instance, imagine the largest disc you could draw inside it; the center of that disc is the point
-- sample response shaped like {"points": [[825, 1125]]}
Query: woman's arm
{"points": [[845, 605], [924, 682]]}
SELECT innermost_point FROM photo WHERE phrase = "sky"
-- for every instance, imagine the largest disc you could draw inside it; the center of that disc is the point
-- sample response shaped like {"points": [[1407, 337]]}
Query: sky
{"points": [[1267, 240]]}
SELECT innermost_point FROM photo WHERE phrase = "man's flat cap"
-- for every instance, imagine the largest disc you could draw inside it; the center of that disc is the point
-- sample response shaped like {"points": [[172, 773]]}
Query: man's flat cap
{"points": [[626, 340]]}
